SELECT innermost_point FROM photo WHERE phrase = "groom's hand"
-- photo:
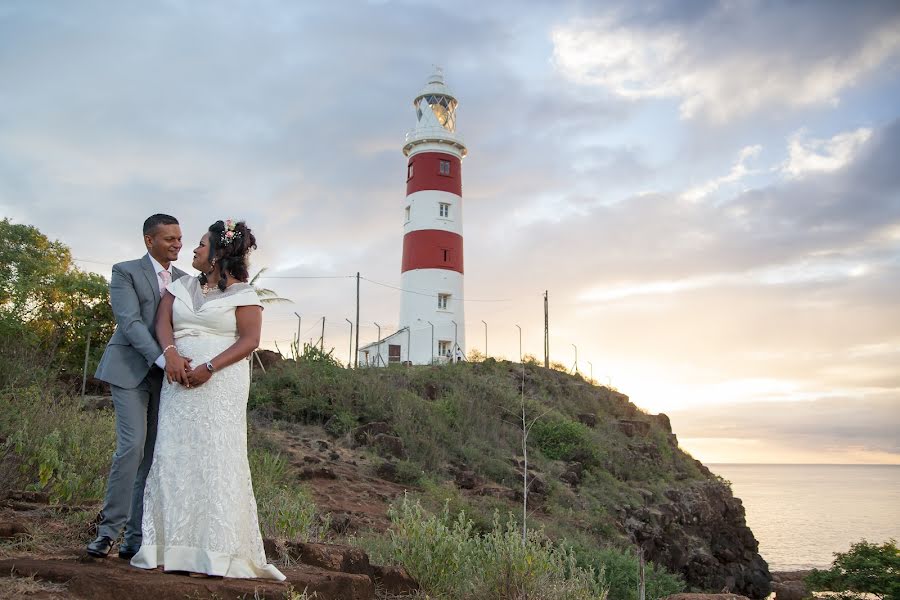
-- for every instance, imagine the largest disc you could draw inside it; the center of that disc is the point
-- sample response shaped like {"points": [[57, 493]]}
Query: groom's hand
{"points": [[177, 368]]}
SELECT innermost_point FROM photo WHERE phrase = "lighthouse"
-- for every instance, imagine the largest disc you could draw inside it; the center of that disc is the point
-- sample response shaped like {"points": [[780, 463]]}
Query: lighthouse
{"points": [[432, 318], [431, 307]]}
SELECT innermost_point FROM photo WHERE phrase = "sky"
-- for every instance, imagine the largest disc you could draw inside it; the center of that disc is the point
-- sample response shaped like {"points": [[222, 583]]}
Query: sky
{"points": [[708, 190]]}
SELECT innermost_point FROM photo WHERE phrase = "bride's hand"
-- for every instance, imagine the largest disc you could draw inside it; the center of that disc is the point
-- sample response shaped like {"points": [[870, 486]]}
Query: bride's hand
{"points": [[199, 376]]}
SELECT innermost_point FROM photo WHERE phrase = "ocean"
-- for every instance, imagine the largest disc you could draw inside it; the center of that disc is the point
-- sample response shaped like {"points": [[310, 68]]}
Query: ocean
{"points": [[803, 514]]}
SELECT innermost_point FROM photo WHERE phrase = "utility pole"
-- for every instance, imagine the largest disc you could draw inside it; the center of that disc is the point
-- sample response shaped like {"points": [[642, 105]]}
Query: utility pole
{"points": [[432, 340], [455, 345], [546, 331], [87, 351], [356, 355], [377, 360], [485, 338], [350, 357], [322, 339]]}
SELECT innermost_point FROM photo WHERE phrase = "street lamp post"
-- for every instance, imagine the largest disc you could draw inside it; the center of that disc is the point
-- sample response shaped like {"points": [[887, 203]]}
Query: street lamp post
{"points": [[432, 340], [455, 343], [378, 359], [591, 365], [350, 351], [485, 338], [576, 358]]}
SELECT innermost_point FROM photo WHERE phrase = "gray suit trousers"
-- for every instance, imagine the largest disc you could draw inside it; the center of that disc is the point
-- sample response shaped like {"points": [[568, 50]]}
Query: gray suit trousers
{"points": [[137, 410]]}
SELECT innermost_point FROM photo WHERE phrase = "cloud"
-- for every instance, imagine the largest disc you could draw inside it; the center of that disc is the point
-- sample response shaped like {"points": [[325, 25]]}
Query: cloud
{"points": [[777, 56], [824, 155]]}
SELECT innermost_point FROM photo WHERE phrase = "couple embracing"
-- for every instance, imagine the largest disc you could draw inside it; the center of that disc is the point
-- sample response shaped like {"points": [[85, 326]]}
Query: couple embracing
{"points": [[180, 482]]}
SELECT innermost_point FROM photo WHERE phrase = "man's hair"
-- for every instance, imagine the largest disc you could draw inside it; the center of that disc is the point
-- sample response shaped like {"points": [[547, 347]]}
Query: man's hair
{"points": [[156, 220]]}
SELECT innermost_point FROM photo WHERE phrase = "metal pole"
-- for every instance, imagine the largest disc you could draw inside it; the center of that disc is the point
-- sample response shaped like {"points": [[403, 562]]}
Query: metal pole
{"points": [[356, 355], [576, 357], [378, 360], [299, 321], [350, 351], [592, 371], [455, 343], [322, 339], [432, 340], [485, 338], [546, 331], [520, 343], [87, 351], [408, 347]]}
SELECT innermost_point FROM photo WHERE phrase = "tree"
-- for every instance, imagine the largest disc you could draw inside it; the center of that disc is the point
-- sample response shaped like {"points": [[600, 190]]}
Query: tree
{"points": [[47, 302], [865, 568], [266, 296]]}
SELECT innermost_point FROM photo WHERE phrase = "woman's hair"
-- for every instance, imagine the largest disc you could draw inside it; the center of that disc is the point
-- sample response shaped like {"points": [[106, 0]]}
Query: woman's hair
{"points": [[229, 245]]}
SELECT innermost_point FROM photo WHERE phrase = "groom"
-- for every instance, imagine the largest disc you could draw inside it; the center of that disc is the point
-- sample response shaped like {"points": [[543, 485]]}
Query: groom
{"points": [[132, 365]]}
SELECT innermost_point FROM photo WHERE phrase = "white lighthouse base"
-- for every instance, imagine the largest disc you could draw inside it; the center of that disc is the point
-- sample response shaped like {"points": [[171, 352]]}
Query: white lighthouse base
{"points": [[420, 304]]}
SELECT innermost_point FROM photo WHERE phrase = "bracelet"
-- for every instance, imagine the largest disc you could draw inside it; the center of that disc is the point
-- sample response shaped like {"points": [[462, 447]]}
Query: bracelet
{"points": [[166, 349]]}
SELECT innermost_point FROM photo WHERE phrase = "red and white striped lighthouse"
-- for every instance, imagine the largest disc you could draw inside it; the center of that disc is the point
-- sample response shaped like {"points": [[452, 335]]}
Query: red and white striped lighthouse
{"points": [[432, 267]]}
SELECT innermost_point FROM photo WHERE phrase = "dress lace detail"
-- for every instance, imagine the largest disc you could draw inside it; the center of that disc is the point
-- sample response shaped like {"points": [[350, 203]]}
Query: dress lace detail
{"points": [[199, 509]]}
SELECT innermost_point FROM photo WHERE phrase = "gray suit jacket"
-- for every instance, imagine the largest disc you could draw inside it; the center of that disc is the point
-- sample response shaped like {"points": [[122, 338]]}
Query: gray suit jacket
{"points": [[132, 350]]}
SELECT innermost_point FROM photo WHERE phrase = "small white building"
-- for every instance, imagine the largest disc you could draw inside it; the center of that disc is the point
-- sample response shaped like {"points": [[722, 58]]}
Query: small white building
{"points": [[432, 316]]}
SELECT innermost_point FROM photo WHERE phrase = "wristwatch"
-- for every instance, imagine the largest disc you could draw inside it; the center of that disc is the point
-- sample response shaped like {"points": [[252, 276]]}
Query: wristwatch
{"points": [[210, 367]]}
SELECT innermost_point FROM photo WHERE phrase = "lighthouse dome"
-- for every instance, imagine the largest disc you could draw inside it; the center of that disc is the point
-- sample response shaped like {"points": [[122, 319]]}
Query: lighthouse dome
{"points": [[437, 97]]}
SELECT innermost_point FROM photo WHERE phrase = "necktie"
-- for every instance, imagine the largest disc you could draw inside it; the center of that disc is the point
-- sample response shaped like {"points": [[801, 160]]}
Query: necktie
{"points": [[166, 278]]}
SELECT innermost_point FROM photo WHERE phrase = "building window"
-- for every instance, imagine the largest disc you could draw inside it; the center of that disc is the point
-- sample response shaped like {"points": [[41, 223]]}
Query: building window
{"points": [[445, 253], [444, 210], [393, 353], [444, 348], [409, 172], [443, 301], [445, 167], [407, 214]]}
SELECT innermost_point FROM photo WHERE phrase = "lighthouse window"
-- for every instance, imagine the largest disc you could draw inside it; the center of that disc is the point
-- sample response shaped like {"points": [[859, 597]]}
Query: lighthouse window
{"points": [[445, 167], [443, 300], [407, 214], [444, 209], [409, 171], [446, 254]]}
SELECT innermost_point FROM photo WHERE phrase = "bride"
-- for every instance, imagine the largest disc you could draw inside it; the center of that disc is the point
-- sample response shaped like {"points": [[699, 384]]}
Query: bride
{"points": [[199, 508]]}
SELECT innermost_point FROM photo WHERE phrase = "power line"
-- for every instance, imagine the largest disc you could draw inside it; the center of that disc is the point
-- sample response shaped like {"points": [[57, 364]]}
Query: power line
{"points": [[393, 287]]}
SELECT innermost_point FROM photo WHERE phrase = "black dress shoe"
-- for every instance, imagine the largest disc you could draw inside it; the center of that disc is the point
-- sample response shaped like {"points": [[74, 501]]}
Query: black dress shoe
{"points": [[100, 547], [127, 552]]}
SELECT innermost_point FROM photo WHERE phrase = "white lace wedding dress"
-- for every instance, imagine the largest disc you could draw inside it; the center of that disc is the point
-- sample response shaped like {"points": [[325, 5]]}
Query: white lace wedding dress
{"points": [[199, 508]]}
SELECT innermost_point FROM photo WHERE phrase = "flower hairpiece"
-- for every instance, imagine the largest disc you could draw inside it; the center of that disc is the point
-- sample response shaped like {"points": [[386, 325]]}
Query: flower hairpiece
{"points": [[229, 235]]}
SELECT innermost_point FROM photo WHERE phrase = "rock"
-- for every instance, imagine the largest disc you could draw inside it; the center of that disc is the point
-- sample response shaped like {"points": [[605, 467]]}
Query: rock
{"points": [[389, 445], [388, 471], [113, 579], [322, 445], [12, 529], [97, 403], [785, 576], [269, 359], [573, 473], [536, 485], [317, 473], [498, 491], [466, 480], [705, 597], [790, 590], [633, 428], [29, 496], [313, 460], [334, 455], [662, 419], [589, 419], [331, 557], [340, 523], [394, 581], [364, 434]]}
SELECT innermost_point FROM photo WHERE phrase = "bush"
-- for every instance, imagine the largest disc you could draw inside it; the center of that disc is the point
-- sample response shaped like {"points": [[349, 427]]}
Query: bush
{"points": [[59, 447], [864, 569], [559, 438], [286, 511], [621, 568], [450, 560]]}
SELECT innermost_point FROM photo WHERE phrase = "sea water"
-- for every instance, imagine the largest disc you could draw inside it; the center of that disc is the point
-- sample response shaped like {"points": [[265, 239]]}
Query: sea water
{"points": [[803, 514]]}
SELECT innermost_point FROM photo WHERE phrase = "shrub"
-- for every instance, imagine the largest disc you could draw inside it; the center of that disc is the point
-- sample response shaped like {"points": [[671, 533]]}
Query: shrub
{"points": [[559, 438], [450, 560], [864, 569], [621, 568], [286, 511], [60, 448]]}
